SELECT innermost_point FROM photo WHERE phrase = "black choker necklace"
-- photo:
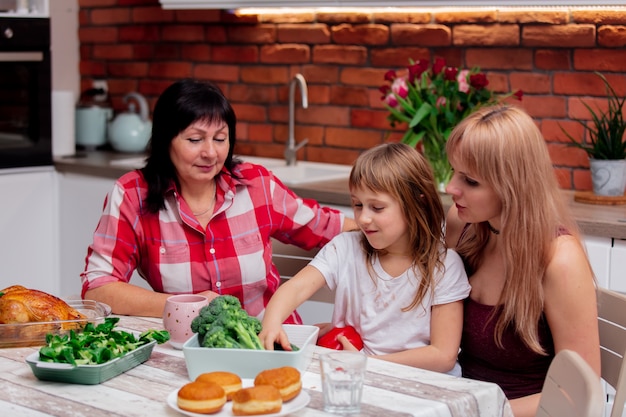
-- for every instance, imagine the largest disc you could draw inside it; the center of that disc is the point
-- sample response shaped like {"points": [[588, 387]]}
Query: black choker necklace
{"points": [[493, 229]]}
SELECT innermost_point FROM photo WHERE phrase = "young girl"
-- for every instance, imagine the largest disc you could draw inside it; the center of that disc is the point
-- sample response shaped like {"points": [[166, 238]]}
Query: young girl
{"points": [[394, 280]]}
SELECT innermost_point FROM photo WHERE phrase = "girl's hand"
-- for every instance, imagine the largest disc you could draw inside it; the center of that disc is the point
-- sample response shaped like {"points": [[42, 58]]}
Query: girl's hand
{"points": [[346, 343], [324, 328], [271, 334]]}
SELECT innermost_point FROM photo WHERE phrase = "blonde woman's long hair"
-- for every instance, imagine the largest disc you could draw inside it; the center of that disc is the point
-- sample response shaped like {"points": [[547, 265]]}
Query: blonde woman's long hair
{"points": [[402, 172], [503, 146]]}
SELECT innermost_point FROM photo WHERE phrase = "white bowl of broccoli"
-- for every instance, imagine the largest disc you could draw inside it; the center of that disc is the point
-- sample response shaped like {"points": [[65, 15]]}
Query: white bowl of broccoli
{"points": [[226, 339]]}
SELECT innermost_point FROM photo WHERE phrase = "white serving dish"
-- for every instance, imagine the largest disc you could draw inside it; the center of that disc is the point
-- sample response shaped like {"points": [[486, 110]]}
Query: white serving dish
{"points": [[247, 363], [291, 406]]}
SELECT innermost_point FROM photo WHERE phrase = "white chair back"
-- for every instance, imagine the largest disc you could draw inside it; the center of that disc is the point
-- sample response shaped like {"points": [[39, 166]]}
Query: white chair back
{"points": [[612, 327], [571, 389]]}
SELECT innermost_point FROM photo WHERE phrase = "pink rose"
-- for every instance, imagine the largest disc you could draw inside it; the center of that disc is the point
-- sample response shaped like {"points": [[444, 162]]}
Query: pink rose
{"points": [[400, 88], [391, 100], [462, 80]]}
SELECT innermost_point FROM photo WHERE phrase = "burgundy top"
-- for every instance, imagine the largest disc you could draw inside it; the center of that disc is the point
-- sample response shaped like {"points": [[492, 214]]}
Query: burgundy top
{"points": [[516, 369]]}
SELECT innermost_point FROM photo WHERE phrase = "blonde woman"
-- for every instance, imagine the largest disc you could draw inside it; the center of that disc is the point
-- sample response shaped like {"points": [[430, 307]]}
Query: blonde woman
{"points": [[533, 290], [394, 280]]}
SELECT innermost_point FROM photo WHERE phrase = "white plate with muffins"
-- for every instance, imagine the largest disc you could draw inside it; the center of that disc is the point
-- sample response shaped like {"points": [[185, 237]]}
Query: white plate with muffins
{"points": [[274, 392]]}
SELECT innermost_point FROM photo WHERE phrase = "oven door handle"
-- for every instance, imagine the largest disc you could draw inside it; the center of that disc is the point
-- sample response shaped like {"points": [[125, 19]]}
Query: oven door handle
{"points": [[21, 56]]}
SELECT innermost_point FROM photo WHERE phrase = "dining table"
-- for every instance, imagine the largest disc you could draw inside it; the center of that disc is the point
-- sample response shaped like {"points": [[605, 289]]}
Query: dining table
{"points": [[390, 390]]}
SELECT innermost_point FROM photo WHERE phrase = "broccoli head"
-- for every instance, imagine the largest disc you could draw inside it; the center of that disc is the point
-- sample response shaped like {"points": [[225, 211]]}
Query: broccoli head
{"points": [[203, 320], [218, 337], [234, 324], [242, 327], [224, 302]]}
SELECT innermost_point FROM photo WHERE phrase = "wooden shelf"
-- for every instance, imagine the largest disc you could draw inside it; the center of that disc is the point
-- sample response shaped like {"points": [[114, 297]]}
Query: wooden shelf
{"points": [[589, 197]]}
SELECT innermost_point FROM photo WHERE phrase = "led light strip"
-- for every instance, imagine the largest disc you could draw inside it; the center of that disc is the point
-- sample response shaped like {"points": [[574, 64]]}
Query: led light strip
{"points": [[307, 5]]}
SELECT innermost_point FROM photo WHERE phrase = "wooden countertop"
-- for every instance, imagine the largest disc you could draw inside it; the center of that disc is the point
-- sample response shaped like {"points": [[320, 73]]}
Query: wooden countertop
{"points": [[593, 220]]}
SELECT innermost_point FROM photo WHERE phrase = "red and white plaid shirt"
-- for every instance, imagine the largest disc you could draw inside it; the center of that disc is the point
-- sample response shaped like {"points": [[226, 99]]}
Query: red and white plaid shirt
{"points": [[174, 254]]}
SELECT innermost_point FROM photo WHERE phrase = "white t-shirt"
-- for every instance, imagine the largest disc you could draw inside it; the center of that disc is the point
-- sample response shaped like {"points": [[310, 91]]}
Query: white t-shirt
{"points": [[373, 306]]}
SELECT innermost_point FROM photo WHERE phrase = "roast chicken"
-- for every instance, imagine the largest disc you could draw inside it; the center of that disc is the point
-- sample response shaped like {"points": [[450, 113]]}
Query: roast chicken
{"points": [[22, 305]]}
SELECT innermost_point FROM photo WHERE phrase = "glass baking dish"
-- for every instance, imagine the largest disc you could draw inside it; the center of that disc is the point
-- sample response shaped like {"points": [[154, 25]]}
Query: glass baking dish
{"points": [[34, 333]]}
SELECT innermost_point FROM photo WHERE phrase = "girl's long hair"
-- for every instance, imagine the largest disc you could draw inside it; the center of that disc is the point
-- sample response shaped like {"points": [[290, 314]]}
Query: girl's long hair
{"points": [[502, 146], [402, 172]]}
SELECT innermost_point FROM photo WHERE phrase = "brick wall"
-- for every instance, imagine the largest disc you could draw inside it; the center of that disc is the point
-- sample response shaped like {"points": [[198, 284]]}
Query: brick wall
{"points": [[549, 54]]}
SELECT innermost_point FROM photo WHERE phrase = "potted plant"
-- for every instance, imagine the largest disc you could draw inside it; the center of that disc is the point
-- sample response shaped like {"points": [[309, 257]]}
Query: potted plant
{"points": [[432, 101], [605, 144]]}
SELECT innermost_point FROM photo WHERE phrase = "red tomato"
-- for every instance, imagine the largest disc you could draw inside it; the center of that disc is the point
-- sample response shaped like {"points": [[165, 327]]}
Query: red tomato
{"points": [[329, 340]]}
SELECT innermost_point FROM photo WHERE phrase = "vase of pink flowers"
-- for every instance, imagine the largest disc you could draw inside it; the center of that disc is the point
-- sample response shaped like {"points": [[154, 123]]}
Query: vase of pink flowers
{"points": [[431, 101]]}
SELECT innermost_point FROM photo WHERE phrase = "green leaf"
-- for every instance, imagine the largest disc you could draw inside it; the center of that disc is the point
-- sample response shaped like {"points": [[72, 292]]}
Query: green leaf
{"points": [[421, 113], [605, 130], [398, 115], [411, 138]]}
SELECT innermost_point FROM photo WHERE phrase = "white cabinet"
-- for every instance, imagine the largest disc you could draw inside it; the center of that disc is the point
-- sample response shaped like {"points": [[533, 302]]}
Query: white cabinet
{"points": [[617, 271], [81, 200], [26, 8], [28, 229], [608, 261], [599, 252]]}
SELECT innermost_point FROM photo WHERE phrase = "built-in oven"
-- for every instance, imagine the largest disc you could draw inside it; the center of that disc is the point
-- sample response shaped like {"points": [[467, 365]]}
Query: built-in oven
{"points": [[25, 92]]}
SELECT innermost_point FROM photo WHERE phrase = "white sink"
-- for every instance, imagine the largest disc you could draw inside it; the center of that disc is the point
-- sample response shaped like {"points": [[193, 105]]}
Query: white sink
{"points": [[303, 172], [306, 172], [260, 160]]}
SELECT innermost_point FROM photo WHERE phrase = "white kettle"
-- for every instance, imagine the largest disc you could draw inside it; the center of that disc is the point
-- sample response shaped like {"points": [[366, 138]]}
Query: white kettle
{"points": [[130, 131]]}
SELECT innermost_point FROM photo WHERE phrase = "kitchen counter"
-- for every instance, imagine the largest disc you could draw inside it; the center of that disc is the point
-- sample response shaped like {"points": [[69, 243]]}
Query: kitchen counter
{"points": [[593, 220]]}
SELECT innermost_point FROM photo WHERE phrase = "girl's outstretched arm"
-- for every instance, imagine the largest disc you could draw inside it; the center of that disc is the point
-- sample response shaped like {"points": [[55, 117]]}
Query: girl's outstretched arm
{"points": [[286, 299]]}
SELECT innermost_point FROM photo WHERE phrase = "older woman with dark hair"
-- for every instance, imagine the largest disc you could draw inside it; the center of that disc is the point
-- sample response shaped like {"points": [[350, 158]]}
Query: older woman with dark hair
{"points": [[195, 219]]}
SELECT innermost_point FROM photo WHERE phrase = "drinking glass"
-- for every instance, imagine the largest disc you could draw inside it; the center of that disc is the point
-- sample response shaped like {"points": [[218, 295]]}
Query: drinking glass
{"points": [[343, 373]]}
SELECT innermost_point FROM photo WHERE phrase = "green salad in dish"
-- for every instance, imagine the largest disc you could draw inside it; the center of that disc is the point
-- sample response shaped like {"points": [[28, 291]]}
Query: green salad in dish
{"points": [[96, 344]]}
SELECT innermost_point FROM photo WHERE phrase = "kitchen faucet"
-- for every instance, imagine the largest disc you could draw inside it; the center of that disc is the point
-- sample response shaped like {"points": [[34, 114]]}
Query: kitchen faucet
{"points": [[292, 148]]}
